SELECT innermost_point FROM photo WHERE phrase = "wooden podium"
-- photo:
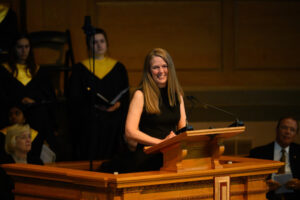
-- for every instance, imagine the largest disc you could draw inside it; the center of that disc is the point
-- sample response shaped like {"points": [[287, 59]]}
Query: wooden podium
{"points": [[194, 150], [181, 177]]}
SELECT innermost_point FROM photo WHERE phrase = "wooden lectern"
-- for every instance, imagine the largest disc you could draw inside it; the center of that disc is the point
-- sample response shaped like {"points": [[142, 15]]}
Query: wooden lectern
{"points": [[194, 150], [193, 169]]}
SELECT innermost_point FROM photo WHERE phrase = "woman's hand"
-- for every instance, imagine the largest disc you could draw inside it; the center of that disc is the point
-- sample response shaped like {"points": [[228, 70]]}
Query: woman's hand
{"points": [[27, 100], [114, 107], [110, 109], [171, 134]]}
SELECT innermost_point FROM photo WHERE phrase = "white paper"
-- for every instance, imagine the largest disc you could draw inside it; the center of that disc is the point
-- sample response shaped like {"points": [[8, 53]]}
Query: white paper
{"points": [[282, 179]]}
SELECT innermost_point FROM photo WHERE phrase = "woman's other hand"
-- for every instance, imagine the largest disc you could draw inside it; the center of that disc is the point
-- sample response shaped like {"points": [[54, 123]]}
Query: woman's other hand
{"points": [[114, 107], [27, 100], [171, 134]]}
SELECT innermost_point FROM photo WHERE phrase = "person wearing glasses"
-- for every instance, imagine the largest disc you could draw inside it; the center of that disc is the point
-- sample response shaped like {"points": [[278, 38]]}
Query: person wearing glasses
{"points": [[285, 150]]}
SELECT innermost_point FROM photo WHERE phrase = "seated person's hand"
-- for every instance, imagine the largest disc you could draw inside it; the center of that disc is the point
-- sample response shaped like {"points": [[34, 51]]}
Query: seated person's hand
{"points": [[293, 184], [27, 100], [273, 185]]}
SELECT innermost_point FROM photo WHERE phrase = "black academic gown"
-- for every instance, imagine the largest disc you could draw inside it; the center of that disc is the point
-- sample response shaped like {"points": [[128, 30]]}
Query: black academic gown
{"points": [[40, 115], [96, 134]]}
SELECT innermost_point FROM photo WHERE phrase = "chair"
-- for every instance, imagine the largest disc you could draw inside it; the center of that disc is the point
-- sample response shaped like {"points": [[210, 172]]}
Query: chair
{"points": [[53, 51]]}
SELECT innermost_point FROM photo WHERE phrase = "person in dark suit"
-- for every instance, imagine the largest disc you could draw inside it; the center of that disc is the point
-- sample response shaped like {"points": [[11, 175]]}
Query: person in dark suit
{"points": [[283, 149]]}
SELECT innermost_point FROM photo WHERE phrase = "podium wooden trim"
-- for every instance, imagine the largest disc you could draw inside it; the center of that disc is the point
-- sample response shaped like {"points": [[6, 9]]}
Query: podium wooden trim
{"points": [[193, 169], [72, 181], [194, 150]]}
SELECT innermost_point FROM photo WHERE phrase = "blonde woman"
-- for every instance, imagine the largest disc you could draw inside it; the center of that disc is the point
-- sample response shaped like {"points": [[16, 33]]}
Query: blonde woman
{"points": [[156, 111], [18, 144]]}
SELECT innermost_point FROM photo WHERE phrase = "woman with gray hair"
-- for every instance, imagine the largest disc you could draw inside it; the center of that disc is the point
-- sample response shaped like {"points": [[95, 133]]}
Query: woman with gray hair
{"points": [[18, 144]]}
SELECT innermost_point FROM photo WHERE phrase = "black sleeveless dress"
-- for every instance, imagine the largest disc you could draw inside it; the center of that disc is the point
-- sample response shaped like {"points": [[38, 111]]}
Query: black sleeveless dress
{"points": [[155, 125]]}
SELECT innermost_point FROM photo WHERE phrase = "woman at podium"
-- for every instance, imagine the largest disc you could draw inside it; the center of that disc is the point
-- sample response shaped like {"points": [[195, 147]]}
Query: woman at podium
{"points": [[156, 111]]}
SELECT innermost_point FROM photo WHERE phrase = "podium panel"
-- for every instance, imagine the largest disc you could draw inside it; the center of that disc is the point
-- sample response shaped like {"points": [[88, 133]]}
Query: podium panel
{"points": [[72, 181]]}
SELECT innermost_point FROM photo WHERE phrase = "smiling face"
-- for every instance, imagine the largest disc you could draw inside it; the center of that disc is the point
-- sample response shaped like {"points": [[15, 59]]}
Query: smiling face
{"points": [[159, 71], [23, 142], [286, 132], [22, 50], [100, 45]]}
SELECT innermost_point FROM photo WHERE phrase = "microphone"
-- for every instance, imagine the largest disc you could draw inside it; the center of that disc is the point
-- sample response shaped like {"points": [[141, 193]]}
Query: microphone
{"points": [[87, 28], [236, 123]]}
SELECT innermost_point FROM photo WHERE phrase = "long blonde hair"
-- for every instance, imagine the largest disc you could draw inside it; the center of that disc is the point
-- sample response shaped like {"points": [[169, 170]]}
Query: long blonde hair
{"points": [[150, 88]]}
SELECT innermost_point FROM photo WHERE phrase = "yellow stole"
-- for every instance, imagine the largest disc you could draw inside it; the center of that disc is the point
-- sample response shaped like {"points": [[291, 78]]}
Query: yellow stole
{"points": [[3, 12], [102, 67], [34, 133], [23, 76]]}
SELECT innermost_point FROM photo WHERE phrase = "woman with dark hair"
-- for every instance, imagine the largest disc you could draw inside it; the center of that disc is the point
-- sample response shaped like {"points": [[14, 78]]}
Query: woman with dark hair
{"points": [[156, 111], [98, 97], [23, 82]]}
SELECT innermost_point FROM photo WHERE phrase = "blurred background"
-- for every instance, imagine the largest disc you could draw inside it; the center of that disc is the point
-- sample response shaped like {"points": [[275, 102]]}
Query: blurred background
{"points": [[242, 56]]}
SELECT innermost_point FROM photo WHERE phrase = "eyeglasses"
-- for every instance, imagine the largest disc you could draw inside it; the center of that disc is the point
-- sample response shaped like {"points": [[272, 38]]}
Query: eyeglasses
{"points": [[286, 128], [24, 136]]}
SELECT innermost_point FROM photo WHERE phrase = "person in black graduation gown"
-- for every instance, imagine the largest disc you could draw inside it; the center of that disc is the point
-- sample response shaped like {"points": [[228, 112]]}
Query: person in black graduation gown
{"points": [[97, 128], [8, 30], [23, 82], [156, 111]]}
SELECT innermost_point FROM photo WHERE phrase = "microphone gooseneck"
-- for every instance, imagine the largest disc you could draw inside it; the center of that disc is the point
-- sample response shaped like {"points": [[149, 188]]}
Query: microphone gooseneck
{"points": [[236, 123]]}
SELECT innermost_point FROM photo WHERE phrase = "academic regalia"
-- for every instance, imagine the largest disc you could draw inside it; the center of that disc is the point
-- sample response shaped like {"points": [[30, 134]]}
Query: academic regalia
{"points": [[8, 28], [40, 115], [109, 79]]}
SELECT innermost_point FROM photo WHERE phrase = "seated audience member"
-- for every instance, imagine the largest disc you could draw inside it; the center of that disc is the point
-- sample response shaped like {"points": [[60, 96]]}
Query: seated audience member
{"points": [[18, 144], [283, 149], [16, 116], [23, 82]]}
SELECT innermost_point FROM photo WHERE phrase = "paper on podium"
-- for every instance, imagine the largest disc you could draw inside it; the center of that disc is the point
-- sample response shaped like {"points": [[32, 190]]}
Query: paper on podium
{"points": [[282, 179]]}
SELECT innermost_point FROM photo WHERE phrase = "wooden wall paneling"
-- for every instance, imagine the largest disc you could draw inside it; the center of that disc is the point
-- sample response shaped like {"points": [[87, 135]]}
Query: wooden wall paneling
{"points": [[267, 35], [59, 16], [228, 43], [189, 30]]}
